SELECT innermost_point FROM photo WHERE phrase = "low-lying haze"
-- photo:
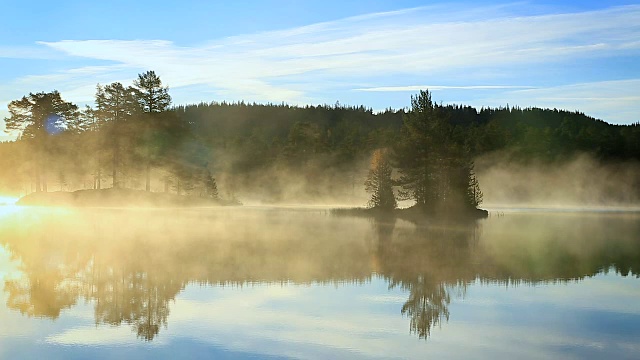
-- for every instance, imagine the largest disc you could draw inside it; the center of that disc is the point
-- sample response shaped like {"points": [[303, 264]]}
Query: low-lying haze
{"points": [[578, 182]]}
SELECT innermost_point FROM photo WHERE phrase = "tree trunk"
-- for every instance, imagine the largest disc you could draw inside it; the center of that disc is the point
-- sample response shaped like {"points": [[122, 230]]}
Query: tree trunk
{"points": [[38, 180], [115, 169]]}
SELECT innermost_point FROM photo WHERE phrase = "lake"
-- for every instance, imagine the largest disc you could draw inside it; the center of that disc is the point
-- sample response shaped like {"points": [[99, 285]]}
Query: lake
{"points": [[260, 282]]}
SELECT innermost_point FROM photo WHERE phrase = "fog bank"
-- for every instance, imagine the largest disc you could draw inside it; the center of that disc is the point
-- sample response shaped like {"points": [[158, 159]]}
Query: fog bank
{"points": [[581, 181]]}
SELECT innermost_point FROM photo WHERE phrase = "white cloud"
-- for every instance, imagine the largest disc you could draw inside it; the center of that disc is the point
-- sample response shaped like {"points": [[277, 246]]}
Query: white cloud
{"points": [[92, 335], [292, 65], [318, 322], [28, 52], [414, 88]]}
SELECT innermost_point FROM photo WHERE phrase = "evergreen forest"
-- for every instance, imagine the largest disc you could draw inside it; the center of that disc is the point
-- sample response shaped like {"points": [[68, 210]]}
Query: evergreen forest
{"points": [[134, 137]]}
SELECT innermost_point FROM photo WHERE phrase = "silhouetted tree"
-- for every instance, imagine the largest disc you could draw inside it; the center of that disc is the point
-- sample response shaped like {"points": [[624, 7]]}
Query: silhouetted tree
{"points": [[116, 105], [474, 194], [210, 186], [94, 143], [153, 99], [431, 157], [434, 145], [38, 116], [416, 156], [152, 96], [379, 183]]}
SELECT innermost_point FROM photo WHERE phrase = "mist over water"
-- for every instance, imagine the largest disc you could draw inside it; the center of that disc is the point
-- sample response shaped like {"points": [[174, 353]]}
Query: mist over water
{"points": [[578, 182], [304, 281], [140, 226], [313, 183]]}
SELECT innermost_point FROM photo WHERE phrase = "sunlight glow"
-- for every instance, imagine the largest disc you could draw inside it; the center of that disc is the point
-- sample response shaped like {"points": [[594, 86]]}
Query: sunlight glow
{"points": [[8, 206], [8, 200], [8, 267]]}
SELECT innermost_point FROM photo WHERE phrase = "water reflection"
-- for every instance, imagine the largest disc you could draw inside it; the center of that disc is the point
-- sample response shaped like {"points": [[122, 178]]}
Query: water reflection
{"points": [[131, 264]]}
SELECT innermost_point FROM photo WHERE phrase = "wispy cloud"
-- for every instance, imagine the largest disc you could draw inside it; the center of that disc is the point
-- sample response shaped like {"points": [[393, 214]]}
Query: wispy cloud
{"points": [[363, 53], [414, 88], [28, 52]]}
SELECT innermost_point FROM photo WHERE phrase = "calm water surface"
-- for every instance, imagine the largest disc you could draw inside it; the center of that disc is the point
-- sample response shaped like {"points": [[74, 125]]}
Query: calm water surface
{"points": [[303, 283]]}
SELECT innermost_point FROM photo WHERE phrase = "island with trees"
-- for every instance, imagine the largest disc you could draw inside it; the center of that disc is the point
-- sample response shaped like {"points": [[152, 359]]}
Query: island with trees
{"points": [[133, 147]]}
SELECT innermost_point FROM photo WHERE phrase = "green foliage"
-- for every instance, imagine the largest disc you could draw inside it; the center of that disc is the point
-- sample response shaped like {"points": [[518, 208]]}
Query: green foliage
{"points": [[431, 157], [379, 183], [153, 100], [474, 194], [39, 117], [210, 186], [151, 95], [34, 114], [117, 106], [133, 138]]}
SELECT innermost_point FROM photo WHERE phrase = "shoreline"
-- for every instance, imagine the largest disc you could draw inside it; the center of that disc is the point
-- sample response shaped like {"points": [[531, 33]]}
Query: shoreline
{"points": [[115, 198]]}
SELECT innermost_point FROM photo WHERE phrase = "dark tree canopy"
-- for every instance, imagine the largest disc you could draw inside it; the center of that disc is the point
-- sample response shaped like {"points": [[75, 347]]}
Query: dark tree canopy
{"points": [[37, 114], [379, 182], [152, 96], [153, 100], [132, 138], [117, 106], [435, 168]]}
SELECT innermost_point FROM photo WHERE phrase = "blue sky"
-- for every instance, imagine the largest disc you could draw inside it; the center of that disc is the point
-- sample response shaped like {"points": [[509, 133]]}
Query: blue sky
{"points": [[576, 56]]}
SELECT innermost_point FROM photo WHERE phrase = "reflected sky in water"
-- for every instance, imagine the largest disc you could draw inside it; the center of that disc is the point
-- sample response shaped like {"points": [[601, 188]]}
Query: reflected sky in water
{"points": [[304, 283]]}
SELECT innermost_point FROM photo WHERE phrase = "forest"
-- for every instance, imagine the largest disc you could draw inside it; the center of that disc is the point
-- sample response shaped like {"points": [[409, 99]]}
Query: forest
{"points": [[135, 138]]}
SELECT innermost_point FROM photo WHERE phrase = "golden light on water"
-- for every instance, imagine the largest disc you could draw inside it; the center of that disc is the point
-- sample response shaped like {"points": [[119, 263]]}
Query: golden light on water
{"points": [[7, 207], [8, 200], [8, 266]]}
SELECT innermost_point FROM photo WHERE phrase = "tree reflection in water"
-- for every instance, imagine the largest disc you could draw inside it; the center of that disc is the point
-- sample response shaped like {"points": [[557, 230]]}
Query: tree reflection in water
{"points": [[133, 297], [40, 295], [427, 306], [131, 266], [428, 262]]}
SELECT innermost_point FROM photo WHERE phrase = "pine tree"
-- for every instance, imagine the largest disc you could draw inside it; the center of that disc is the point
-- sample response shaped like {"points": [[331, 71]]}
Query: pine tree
{"points": [[420, 153], [379, 182], [116, 105], [38, 116], [474, 194], [210, 186], [153, 99], [151, 95], [434, 166]]}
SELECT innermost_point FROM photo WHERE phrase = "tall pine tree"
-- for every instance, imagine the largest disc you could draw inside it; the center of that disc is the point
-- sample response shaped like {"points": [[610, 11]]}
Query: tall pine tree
{"points": [[116, 105], [435, 168], [38, 116], [379, 183], [153, 99]]}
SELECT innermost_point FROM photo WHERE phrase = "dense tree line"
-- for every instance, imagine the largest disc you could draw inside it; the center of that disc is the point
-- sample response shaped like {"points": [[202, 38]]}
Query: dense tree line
{"points": [[133, 138]]}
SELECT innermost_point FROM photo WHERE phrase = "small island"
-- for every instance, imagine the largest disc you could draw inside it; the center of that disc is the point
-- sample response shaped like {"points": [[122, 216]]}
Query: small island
{"points": [[435, 170], [427, 164], [133, 148]]}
